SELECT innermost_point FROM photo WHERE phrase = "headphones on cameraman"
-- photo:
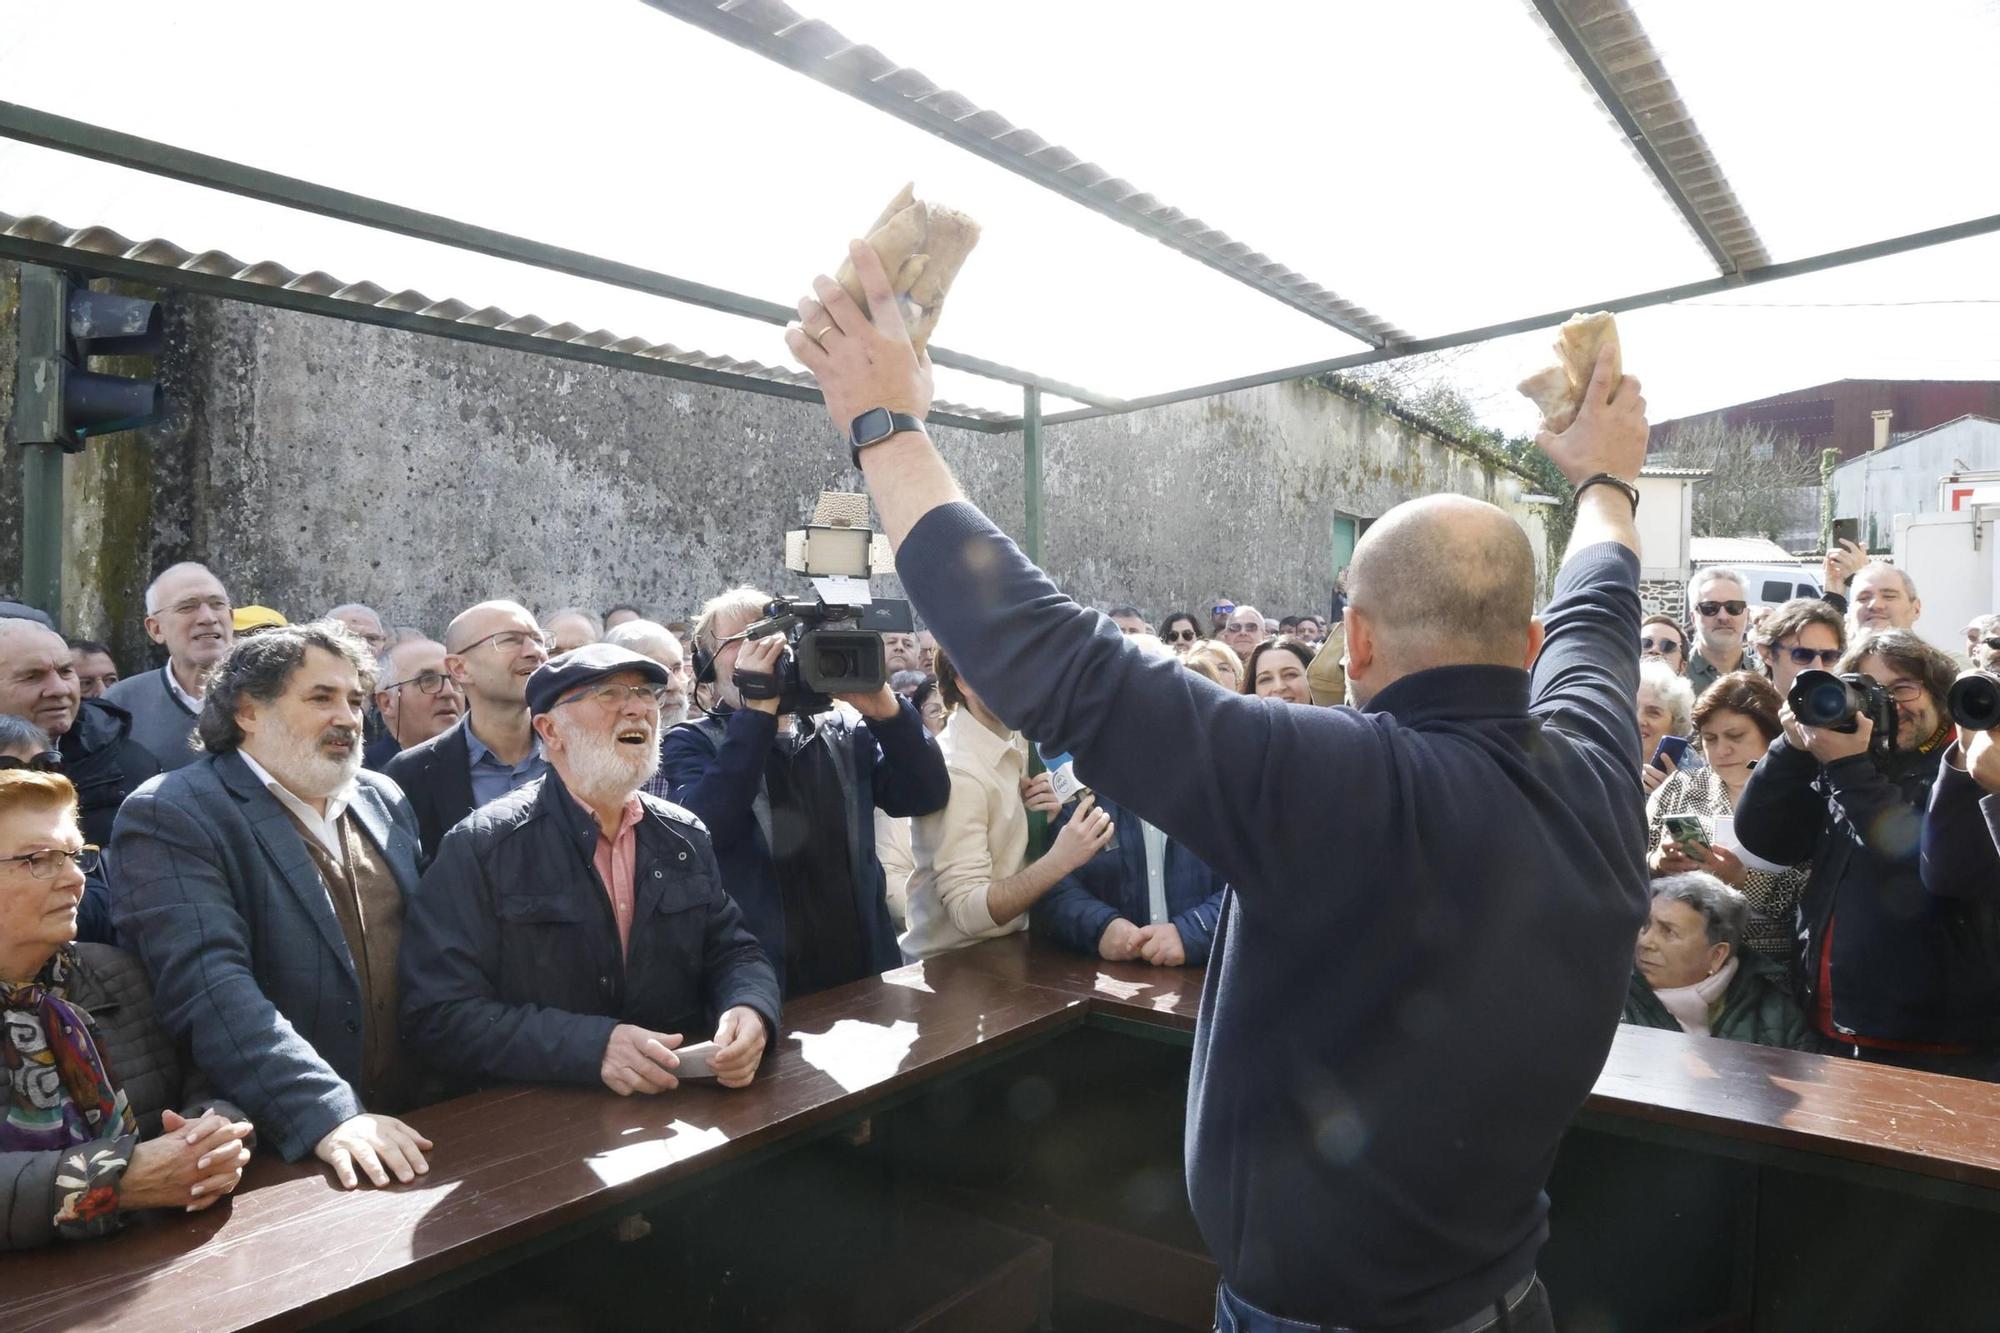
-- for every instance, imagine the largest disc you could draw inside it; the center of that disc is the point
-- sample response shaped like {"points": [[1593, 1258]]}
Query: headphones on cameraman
{"points": [[704, 666]]}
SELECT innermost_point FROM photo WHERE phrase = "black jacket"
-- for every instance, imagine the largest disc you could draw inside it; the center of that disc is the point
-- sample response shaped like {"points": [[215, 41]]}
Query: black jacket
{"points": [[105, 764], [437, 778], [510, 968], [1905, 962], [1425, 942]]}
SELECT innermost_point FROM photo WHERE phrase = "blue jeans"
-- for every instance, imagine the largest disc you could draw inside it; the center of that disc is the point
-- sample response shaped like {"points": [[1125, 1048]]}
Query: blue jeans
{"points": [[1530, 1314]]}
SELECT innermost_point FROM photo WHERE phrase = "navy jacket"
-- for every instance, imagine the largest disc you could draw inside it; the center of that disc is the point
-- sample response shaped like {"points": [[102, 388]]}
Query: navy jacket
{"points": [[1961, 842], [896, 765], [1112, 884], [511, 967], [220, 898], [1427, 936], [437, 778], [1906, 964], [106, 765]]}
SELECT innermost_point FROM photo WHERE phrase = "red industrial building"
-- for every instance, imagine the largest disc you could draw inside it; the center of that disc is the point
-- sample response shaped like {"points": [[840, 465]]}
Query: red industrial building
{"points": [[1841, 415]]}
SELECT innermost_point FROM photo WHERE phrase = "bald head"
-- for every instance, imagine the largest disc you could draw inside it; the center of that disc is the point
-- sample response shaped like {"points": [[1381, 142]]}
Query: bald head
{"points": [[1442, 581], [476, 622]]}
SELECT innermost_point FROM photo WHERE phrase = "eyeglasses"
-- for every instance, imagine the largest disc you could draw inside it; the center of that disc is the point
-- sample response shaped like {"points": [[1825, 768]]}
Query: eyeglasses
{"points": [[1716, 608], [48, 761], [1805, 657], [187, 606], [1182, 636], [43, 865], [1647, 645], [1905, 691], [1244, 627], [427, 682], [614, 696], [510, 640]]}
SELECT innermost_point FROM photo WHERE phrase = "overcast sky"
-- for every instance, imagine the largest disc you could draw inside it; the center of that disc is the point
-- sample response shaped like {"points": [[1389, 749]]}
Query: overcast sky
{"points": [[1439, 163]]}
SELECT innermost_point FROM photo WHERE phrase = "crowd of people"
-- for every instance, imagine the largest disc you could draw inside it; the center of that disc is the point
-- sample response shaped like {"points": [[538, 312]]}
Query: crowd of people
{"points": [[1820, 888]]}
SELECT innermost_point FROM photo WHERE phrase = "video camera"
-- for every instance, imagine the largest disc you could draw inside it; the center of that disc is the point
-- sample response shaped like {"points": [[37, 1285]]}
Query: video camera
{"points": [[1974, 701], [834, 639], [1838, 703]]}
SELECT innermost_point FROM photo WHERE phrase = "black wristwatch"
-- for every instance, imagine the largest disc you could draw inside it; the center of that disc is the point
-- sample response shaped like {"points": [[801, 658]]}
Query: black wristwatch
{"points": [[1625, 487], [876, 425]]}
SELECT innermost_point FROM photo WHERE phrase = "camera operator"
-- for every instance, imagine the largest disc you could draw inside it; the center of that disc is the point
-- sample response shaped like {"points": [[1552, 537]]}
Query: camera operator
{"points": [[1882, 966], [1962, 829], [790, 801]]}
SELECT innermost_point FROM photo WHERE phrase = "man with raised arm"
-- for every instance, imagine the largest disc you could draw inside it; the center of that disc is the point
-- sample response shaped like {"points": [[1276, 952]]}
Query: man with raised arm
{"points": [[1406, 1005]]}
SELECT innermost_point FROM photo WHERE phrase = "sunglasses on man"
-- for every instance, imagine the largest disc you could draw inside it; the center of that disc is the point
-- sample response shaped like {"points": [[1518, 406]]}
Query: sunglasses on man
{"points": [[1805, 657], [1660, 645], [1716, 608], [48, 761]]}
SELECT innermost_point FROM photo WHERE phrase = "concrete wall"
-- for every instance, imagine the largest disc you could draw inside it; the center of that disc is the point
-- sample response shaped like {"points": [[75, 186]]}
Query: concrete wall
{"points": [[313, 461], [1903, 478]]}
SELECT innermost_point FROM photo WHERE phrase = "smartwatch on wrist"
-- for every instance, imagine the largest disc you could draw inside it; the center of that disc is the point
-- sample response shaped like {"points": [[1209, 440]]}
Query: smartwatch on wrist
{"points": [[876, 425]]}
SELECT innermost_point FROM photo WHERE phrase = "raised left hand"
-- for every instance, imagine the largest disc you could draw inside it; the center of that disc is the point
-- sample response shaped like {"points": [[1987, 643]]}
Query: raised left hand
{"points": [[739, 1042], [1725, 865], [1982, 756], [876, 705], [860, 363], [1828, 745], [1038, 793]]}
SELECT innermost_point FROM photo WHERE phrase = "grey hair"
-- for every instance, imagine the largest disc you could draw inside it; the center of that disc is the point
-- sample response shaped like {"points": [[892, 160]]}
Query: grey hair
{"points": [[17, 733], [1676, 692], [638, 634], [153, 588], [1909, 584], [345, 607], [259, 668], [589, 618], [1723, 910], [737, 601], [1714, 574]]}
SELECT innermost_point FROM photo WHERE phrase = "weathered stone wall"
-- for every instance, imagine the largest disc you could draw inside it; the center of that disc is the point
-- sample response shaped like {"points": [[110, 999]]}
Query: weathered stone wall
{"points": [[1236, 496], [313, 461]]}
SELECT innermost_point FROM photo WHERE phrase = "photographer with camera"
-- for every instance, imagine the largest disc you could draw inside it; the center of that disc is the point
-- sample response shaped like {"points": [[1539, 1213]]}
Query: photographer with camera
{"points": [[789, 799], [1882, 970], [1962, 829]]}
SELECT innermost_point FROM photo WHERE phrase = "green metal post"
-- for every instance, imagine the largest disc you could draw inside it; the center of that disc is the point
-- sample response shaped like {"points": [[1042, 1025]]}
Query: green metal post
{"points": [[42, 527], [1031, 465]]}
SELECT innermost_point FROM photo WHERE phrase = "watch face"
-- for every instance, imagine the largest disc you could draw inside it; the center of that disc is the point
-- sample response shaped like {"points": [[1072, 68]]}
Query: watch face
{"points": [[873, 425]]}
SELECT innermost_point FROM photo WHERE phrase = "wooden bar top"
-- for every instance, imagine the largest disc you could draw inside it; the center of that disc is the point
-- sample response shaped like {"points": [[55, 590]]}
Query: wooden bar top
{"points": [[513, 1164]]}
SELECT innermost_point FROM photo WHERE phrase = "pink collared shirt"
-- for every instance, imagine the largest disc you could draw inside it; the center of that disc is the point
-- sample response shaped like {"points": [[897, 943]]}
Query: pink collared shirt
{"points": [[617, 865]]}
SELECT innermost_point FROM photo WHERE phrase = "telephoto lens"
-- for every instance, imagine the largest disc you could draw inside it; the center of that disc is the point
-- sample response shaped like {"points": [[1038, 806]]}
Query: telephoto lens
{"points": [[1822, 699], [1974, 701]]}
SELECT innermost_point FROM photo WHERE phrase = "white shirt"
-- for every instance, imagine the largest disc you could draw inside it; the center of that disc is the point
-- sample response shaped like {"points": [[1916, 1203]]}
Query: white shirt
{"points": [[980, 836], [325, 828], [188, 701]]}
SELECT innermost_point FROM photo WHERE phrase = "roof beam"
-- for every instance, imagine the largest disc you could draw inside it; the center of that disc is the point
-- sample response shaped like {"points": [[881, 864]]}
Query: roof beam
{"points": [[1610, 49], [45, 130], [41, 249], [1858, 254], [772, 29]]}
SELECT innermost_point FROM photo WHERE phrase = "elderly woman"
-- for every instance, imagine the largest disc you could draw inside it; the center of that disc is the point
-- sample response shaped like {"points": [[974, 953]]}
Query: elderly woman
{"points": [[1736, 720], [1218, 661], [89, 1130], [1690, 971], [1277, 670], [1666, 706]]}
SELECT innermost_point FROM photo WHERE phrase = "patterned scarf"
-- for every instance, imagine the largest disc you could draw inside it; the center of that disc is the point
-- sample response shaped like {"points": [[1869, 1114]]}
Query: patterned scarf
{"points": [[60, 1096]]}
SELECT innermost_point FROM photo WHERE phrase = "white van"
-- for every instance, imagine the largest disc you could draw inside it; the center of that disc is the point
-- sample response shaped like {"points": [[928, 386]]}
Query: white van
{"points": [[1770, 584]]}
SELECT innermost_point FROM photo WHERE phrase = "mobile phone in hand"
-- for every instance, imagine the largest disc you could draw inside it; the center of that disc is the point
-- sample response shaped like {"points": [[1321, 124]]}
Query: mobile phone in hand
{"points": [[1673, 748], [694, 1061], [1691, 832]]}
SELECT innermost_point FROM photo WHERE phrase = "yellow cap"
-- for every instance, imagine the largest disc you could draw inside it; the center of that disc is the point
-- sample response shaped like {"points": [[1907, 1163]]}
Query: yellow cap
{"points": [[256, 617]]}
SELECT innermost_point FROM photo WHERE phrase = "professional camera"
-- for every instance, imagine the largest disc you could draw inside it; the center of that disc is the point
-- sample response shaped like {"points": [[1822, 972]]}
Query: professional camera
{"points": [[834, 638], [1974, 700], [1838, 703]]}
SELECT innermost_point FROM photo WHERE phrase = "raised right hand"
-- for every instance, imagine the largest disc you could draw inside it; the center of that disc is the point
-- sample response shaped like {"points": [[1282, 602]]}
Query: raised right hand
{"points": [[1086, 834], [1609, 433], [1842, 563], [1651, 776], [380, 1145], [636, 1060], [1982, 756]]}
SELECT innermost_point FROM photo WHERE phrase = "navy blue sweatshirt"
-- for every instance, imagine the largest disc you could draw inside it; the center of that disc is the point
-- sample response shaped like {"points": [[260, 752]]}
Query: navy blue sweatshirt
{"points": [[1427, 938]]}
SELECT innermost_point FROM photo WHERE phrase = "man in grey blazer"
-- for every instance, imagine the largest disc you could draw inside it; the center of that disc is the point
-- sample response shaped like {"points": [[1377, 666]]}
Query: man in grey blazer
{"points": [[187, 613], [263, 886]]}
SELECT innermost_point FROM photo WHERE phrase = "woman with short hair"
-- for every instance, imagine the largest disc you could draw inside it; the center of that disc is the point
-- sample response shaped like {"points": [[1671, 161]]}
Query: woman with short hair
{"points": [[1665, 704], [1691, 972], [1736, 720], [1218, 661], [89, 1129]]}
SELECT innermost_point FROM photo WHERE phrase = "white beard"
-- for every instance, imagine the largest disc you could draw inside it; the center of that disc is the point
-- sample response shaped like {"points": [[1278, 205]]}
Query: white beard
{"points": [[602, 770], [295, 760]]}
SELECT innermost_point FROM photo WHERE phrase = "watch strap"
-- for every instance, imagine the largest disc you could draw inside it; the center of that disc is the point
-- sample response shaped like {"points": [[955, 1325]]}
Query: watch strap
{"points": [[1606, 479], [899, 422]]}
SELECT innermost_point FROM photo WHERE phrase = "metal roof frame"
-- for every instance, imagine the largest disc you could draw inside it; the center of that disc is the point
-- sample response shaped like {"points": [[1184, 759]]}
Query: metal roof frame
{"points": [[774, 30]]}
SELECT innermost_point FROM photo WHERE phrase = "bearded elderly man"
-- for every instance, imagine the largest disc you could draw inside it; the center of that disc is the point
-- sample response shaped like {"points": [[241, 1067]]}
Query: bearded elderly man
{"points": [[263, 886], [575, 930]]}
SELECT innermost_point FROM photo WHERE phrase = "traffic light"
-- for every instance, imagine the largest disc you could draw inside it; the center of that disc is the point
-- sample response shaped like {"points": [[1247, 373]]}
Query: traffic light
{"points": [[62, 323]]}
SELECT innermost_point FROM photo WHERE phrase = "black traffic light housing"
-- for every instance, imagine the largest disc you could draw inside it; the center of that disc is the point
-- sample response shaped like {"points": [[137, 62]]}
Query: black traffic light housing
{"points": [[62, 322]]}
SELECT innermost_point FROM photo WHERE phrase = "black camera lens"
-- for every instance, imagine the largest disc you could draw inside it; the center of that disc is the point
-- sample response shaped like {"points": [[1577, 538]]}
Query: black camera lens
{"points": [[1974, 701], [1822, 699]]}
